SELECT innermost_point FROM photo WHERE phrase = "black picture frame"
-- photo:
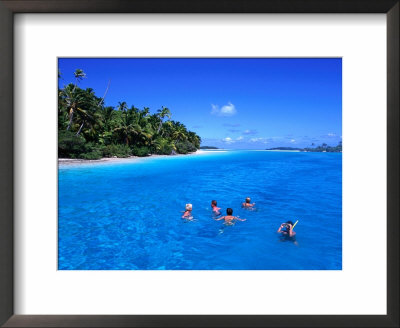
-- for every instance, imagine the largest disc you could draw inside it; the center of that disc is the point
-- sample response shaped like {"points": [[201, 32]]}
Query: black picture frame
{"points": [[10, 7]]}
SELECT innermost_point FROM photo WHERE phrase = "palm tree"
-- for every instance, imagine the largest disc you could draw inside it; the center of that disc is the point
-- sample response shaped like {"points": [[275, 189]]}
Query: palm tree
{"points": [[79, 75], [179, 132], [126, 128], [161, 114], [72, 97], [145, 133], [89, 109], [106, 116], [73, 100], [163, 146], [122, 106], [194, 139]]}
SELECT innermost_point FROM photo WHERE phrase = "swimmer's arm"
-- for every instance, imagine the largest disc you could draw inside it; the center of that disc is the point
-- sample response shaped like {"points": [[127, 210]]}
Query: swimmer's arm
{"points": [[221, 218], [280, 228]]}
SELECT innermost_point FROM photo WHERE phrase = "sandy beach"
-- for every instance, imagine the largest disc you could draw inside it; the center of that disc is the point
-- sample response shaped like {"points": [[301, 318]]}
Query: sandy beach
{"points": [[76, 161]]}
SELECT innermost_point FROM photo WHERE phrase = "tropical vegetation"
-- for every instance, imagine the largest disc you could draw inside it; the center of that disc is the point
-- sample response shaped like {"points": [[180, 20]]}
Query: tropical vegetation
{"points": [[208, 147], [325, 148], [322, 148], [88, 129]]}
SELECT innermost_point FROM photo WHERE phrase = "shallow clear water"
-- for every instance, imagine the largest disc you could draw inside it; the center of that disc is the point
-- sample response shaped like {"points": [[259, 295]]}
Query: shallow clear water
{"points": [[127, 216]]}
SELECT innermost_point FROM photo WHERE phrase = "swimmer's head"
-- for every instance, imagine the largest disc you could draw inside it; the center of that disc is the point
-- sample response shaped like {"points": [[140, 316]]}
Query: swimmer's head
{"points": [[188, 207], [229, 211], [289, 222], [213, 203], [248, 200]]}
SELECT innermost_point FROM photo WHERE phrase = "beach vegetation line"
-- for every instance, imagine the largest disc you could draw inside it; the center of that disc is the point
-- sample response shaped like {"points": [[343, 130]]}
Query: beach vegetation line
{"points": [[324, 148], [88, 129]]}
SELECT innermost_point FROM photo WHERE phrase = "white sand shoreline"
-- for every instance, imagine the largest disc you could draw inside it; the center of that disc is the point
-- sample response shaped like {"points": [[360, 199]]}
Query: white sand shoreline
{"points": [[78, 161]]}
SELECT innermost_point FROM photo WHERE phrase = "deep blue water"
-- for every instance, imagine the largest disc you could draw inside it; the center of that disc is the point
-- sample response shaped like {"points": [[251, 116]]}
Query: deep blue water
{"points": [[127, 216]]}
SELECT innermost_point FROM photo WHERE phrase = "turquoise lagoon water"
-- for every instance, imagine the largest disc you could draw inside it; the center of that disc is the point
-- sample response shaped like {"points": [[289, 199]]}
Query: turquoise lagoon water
{"points": [[127, 215]]}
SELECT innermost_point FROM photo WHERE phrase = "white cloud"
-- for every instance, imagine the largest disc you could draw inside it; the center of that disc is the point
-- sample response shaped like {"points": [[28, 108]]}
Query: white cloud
{"points": [[331, 135], [228, 140], [239, 138], [260, 140], [250, 132], [214, 109], [227, 110], [292, 140]]}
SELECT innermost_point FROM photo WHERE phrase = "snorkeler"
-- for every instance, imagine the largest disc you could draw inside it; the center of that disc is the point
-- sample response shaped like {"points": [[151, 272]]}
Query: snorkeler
{"points": [[286, 229], [188, 213], [247, 204], [215, 209], [229, 218]]}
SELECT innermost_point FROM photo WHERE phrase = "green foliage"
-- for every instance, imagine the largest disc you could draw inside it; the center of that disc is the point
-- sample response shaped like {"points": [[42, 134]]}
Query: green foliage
{"points": [[184, 147], [88, 129], [163, 146], [325, 148], [165, 150], [70, 145], [141, 151], [208, 147], [118, 150], [94, 154]]}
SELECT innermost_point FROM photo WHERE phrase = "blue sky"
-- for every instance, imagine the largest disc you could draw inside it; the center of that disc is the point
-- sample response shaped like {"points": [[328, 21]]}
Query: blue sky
{"points": [[238, 103]]}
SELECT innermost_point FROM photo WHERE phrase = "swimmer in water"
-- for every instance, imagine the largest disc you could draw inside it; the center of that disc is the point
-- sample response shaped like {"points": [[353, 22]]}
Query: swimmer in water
{"points": [[188, 212], [229, 218], [247, 203], [215, 209], [287, 233], [286, 229]]}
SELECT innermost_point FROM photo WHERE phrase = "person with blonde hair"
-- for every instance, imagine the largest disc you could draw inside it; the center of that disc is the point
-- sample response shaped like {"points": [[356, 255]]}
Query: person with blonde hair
{"points": [[247, 203], [188, 212]]}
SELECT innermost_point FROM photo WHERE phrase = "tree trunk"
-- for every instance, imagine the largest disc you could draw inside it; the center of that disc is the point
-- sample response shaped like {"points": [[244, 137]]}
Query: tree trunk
{"points": [[80, 128], [102, 99], [71, 115], [159, 127]]}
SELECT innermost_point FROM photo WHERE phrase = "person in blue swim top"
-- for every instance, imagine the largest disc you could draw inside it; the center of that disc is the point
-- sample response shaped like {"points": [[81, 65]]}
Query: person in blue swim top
{"points": [[286, 229]]}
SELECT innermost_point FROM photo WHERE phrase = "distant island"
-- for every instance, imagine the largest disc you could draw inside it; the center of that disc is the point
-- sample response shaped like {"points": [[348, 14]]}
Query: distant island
{"points": [[324, 148], [285, 148], [208, 147]]}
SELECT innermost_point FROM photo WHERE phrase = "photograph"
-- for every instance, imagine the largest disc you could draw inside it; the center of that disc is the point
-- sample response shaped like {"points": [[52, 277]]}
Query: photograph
{"points": [[199, 163]]}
